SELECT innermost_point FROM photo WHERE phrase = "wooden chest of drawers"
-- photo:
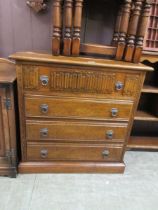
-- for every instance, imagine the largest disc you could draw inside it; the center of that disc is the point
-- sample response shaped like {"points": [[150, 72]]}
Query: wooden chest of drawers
{"points": [[75, 113]]}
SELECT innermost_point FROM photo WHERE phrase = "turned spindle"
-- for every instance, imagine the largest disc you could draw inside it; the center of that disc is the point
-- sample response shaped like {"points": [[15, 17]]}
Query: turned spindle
{"points": [[68, 27], [77, 27], [141, 30], [117, 27], [57, 27], [132, 29], [126, 10]]}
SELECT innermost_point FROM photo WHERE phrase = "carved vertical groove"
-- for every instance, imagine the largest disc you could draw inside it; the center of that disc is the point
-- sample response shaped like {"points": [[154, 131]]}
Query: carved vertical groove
{"points": [[83, 82], [57, 24], [77, 27]]}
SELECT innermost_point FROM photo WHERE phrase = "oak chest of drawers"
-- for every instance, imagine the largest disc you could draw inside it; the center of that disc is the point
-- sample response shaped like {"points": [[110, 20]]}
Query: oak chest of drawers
{"points": [[75, 113]]}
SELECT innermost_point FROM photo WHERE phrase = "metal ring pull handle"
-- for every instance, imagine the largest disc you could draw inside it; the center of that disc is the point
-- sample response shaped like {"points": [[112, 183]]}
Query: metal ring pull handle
{"points": [[44, 80], [109, 134], [44, 153], [114, 112], [105, 153], [44, 132], [44, 108], [119, 85]]}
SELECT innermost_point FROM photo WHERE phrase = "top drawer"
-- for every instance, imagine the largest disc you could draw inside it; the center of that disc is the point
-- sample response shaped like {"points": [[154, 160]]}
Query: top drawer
{"points": [[81, 80]]}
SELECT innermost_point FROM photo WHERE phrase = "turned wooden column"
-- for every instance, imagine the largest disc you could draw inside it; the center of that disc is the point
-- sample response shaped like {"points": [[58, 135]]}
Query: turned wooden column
{"points": [[77, 27], [57, 27], [126, 10], [141, 30], [117, 27], [68, 27], [132, 29]]}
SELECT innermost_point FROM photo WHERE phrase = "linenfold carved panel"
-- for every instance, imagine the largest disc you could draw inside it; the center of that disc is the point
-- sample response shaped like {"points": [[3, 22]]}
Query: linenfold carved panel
{"points": [[30, 77], [83, 82]]}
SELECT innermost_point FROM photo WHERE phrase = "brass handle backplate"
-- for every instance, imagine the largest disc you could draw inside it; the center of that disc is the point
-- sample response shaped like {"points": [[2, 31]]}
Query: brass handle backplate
{"points": [[44, 153], [105, 153], [119, 85], [114, 112], [44, 132], [44, 108], [109, 134], [44, 80]]}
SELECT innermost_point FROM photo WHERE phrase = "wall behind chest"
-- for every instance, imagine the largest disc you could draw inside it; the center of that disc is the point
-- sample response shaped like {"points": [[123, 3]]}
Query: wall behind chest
{"points": [[23, 30]]}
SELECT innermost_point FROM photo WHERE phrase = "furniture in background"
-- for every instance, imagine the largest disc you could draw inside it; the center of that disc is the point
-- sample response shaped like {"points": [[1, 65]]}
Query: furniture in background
{"points": [[145, 128], [37, 5], [126, 31], [8, 160], [75, 113]]}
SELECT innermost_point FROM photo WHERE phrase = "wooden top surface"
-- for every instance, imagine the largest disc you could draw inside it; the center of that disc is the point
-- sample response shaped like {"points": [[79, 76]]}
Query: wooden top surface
{"points": [[48, 58], [7, 71], [150, 56]]}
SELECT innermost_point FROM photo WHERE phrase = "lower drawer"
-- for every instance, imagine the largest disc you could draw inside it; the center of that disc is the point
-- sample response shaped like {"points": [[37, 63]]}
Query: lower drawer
{"points": [[80, 152], [78, 131]]}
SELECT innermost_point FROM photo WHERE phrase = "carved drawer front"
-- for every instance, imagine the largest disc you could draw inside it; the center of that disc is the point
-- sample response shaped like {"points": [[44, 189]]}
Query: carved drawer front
{"points": [[51, 107], [82, 81], [81, 131], [80, 152]]}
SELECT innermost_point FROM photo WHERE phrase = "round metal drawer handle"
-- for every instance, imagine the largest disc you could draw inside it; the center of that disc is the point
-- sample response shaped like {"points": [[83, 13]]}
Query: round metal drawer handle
{"points": [[44, 132], [44, 80], [119, 85], [114, 112], [109, 134], [44, 108], [105, 153], [44, 153]]}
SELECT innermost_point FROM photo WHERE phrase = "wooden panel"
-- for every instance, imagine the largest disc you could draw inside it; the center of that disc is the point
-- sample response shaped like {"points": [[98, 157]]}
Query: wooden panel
{"points": [[90, 82], [82, 152], [30, 77], [73, 108], [2, 149], [132, 83], [79, 131]]}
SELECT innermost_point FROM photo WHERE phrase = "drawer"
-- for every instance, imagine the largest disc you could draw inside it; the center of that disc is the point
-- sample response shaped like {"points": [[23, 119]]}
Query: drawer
{"points": [[86, 81], [80, 152], [78, 131], [52, 107]]}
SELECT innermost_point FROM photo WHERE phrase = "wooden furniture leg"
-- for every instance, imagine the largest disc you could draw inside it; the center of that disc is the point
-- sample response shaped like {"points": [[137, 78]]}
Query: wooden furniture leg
{"points": [[57, 26], [77, 27], [68, 27], [141, 30], [132, 30], [126, 9]]}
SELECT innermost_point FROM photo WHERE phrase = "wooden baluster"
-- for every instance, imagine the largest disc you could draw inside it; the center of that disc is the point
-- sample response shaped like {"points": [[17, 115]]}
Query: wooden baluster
{"points": [[57, 27], [141, 30], [126, 10], [77, 27], [117, 27], [68, 27], [132, 30]]}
